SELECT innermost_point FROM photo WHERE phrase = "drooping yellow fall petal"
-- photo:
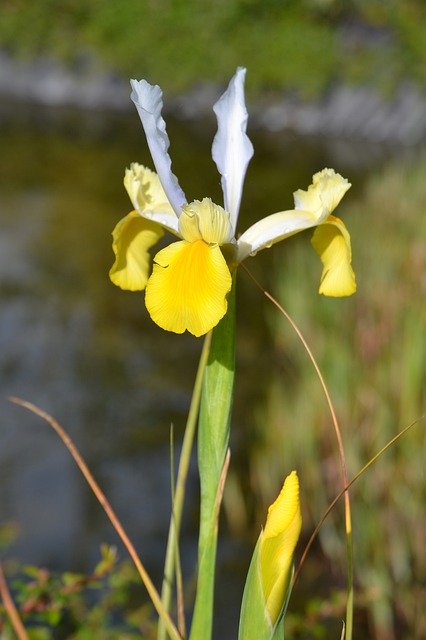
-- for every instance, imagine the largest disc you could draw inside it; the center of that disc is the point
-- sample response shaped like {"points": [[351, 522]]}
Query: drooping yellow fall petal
{"points": [[332, 243], [188, 287], [277, 544], [132, 237]]}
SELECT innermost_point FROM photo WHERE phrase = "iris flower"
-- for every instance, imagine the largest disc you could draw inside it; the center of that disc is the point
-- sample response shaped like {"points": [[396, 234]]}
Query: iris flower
{"points": [[191, 278]]}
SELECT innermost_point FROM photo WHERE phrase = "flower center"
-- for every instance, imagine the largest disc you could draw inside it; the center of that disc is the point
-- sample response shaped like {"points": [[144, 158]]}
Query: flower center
{"points": [[205, 220]]}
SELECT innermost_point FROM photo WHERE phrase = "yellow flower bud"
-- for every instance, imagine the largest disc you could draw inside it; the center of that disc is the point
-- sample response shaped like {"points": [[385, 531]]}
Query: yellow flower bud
{"points": [[277, 544]]}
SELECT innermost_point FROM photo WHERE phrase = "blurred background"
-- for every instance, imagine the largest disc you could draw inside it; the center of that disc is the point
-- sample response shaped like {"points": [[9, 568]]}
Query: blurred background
{"points": [[329, 83]]}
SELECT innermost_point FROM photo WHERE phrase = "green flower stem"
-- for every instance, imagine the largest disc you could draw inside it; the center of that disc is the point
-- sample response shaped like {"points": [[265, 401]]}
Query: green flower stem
{"points": [[213, 438], [179, 495]]}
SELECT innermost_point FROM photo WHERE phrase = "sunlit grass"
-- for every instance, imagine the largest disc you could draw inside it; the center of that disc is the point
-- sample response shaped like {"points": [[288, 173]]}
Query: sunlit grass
{"points": [[303, 45], [372, 350]]}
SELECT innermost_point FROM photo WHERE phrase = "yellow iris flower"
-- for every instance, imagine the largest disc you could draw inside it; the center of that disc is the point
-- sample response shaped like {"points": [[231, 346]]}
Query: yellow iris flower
{"points": [[191, 278]]}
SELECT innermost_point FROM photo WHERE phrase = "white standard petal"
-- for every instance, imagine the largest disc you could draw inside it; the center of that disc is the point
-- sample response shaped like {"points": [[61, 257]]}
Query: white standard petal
{"points": [[232, 149], [148, 100], [272, 229]]}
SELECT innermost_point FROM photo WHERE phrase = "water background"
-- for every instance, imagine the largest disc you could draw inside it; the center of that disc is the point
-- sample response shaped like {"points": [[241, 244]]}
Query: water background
{"points": [[87, 352]]}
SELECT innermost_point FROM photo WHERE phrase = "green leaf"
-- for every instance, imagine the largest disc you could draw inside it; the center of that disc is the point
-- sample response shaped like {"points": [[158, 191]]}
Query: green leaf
{"points": [[213, 439], [254, 622]]}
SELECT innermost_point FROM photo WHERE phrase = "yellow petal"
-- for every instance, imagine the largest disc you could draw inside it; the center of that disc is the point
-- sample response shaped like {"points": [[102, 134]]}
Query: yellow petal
{"points": [[332, 243], [132, 237], [323, 195], [278, 542], [188, 287], [145, 190], [205, 220]]}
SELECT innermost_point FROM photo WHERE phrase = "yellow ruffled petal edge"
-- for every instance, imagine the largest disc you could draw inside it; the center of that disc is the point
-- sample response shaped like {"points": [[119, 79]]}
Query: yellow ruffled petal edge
{"points": [[145, 190], [188, 287], [332, 243], [279, 538], [323, 195], [132, 237]]}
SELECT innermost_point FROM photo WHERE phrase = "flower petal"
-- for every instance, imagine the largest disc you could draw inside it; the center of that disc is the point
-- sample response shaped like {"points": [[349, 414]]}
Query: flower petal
{"points": [[278, 541], [145, 189], [332, 243], [188, 287], [149, 103], [232, 149], [272, 229], [148, 197], [323, 195], [132, 237], [205, 220], [167, 220]]}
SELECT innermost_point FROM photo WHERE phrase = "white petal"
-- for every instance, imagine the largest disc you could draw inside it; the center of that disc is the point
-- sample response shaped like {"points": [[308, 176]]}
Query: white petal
{"points": [[167, 220], [232, 149], [149, 103], [272, 229]]}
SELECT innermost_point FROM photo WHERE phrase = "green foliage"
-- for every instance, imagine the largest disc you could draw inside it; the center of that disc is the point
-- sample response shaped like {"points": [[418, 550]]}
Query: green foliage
{"points": [[8, 533], [372, 351], [312, 623], [75, 606], [299, 45]]}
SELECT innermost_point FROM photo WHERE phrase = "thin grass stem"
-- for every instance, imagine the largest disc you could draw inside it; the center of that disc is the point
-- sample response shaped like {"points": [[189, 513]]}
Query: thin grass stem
{"points": [[341, 493], [180, 604], [10, 608], [348, 520], [100, 496]]}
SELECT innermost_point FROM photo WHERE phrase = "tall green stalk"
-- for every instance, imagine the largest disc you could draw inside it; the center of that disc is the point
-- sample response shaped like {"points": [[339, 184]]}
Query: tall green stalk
{"points": [[179, 495], [213, 439]]}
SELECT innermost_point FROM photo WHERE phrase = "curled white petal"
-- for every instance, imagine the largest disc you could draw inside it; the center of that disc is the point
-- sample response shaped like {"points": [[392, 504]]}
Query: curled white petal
{"points": [[272, 229], [232, 149], [148, 100]]}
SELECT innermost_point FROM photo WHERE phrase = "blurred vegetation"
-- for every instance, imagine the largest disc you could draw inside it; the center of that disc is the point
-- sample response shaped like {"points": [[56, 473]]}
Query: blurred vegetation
{"points": [[104, 604], [371, 348], [372, 351], [301, 45]]}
